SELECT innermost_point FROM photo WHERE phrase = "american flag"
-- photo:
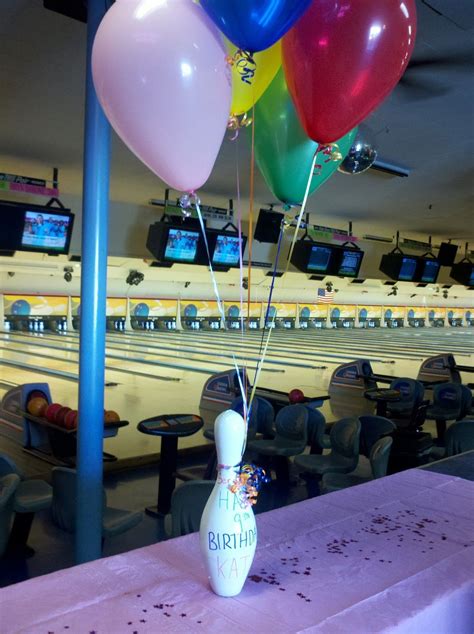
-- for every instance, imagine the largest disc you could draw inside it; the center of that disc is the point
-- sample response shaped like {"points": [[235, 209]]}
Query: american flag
{"points": [[325, 297]]}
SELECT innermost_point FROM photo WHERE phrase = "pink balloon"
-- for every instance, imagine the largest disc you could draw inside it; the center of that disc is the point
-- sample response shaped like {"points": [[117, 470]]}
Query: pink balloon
{"points": [[162, 78]]}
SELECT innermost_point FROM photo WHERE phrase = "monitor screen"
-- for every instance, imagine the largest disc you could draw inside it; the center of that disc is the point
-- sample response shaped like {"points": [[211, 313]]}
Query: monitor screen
{"points": [[430, 271], [350, 263], [471, 277], [226, 250], [319, 258], [181, 245], [407, 269], [45, 231]]}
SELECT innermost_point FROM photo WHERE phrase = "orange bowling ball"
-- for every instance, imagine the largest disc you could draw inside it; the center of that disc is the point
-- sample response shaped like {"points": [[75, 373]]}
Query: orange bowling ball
{"points": [[51, 411], [296, 396], [111, 416], [37, 406]]}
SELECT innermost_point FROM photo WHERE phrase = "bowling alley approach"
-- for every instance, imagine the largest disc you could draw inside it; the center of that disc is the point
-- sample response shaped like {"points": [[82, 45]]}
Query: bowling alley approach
{"points": [[236, 316]]}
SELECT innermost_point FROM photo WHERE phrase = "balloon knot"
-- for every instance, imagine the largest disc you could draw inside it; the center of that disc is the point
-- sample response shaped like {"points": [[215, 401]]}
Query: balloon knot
{"points": [[235, 124]]}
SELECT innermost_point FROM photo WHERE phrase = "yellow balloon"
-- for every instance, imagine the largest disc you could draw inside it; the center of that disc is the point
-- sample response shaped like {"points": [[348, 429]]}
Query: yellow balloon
{"points": [[251, 76]]}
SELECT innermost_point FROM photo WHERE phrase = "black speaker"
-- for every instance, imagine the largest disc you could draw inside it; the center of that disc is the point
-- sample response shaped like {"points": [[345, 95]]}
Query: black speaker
{"points": [[447, 253], [268, 226]]}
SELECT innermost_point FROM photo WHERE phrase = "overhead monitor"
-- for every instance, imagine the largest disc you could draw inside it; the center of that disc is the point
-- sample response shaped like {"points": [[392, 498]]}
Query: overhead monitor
{"points": [[320, 258], [400, 267], [429, 270], [226, 250], [350, 262], [35, 228], [181, 245], [463, 273], [45, 231], [407, 269]]}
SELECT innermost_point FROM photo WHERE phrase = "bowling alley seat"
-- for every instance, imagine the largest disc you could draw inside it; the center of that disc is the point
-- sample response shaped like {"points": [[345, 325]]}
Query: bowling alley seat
{"points": [[261, 418], [459, 438], [318, 440], [8, 486], [372, 428], [344, 455], [31, 496], [63, 510], [187, 505], [291, 436], [412, 393], [451, 401], [379, 456]]}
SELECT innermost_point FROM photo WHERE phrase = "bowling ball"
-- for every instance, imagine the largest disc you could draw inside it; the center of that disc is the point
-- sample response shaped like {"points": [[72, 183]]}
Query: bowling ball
{"points": [[51, 411], [60, 416], [111, 417], [37, 406], [36, 394], [296, 396], [70, 420]]}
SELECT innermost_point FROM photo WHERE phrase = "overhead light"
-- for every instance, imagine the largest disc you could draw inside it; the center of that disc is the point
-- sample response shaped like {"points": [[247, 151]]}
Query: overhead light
{"points": [[68, 273], [389, 168], [134, 278]]}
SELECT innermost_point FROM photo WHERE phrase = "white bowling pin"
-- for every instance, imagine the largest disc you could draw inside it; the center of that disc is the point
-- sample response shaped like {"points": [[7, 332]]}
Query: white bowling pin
{"points": [[228, 531]]}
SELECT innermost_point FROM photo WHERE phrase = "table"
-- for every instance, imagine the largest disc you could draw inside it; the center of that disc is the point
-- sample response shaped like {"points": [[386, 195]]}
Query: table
{"points": [[170, 427], [394, 556], [382, 396]]}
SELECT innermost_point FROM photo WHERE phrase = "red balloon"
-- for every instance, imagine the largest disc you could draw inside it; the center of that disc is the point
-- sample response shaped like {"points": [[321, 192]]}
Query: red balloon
{"points": [[342, 59]]}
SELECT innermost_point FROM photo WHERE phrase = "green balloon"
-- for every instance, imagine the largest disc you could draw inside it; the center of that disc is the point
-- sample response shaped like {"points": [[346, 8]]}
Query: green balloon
{"points": [[283, 152]]}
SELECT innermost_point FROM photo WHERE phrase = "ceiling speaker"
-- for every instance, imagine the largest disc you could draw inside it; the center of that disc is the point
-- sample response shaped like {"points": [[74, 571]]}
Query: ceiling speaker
{"points": [[268, 226], [447, 253]]}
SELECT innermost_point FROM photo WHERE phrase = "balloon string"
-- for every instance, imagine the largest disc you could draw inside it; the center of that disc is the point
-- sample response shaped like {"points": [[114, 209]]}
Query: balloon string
{"points": [[241, 276], [251, 194], [302, 210], [295, 236], [239, 224], [211, 270], [272, 286]]}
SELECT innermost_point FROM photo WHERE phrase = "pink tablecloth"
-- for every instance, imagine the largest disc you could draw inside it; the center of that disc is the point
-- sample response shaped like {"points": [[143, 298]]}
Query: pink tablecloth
{"points": [[395, 555]]}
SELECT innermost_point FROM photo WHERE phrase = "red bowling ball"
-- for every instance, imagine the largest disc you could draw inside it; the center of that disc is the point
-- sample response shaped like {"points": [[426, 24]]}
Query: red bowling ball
{"points": [[296, 396], [51, 412], [59, 419]]}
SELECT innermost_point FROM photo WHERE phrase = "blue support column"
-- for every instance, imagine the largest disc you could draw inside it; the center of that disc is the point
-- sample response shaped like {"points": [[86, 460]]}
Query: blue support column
{"points": [[93, 306]]}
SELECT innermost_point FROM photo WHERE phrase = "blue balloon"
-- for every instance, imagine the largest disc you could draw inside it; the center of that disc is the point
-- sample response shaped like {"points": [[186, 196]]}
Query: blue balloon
{"points": [[254, 25]]}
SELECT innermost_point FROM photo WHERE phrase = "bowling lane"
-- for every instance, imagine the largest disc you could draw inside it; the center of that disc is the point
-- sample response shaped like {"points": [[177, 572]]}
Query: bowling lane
{"points": [[136, 397]]}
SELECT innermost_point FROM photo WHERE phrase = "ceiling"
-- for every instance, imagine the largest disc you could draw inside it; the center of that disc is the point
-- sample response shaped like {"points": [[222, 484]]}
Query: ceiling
{"points": [[41, 121]]}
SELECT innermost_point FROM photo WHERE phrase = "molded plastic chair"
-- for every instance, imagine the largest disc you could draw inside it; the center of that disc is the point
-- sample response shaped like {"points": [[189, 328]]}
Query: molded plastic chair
{"points": [[7, 465], [448, 401], [344, 454], [31, 496], [290, 433], [8, 486], [372, 428], [466, 401], [412, 394], [459, 438], [317, 438], [261, 418], [379, 456], [114, 522], [187, 505]]}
